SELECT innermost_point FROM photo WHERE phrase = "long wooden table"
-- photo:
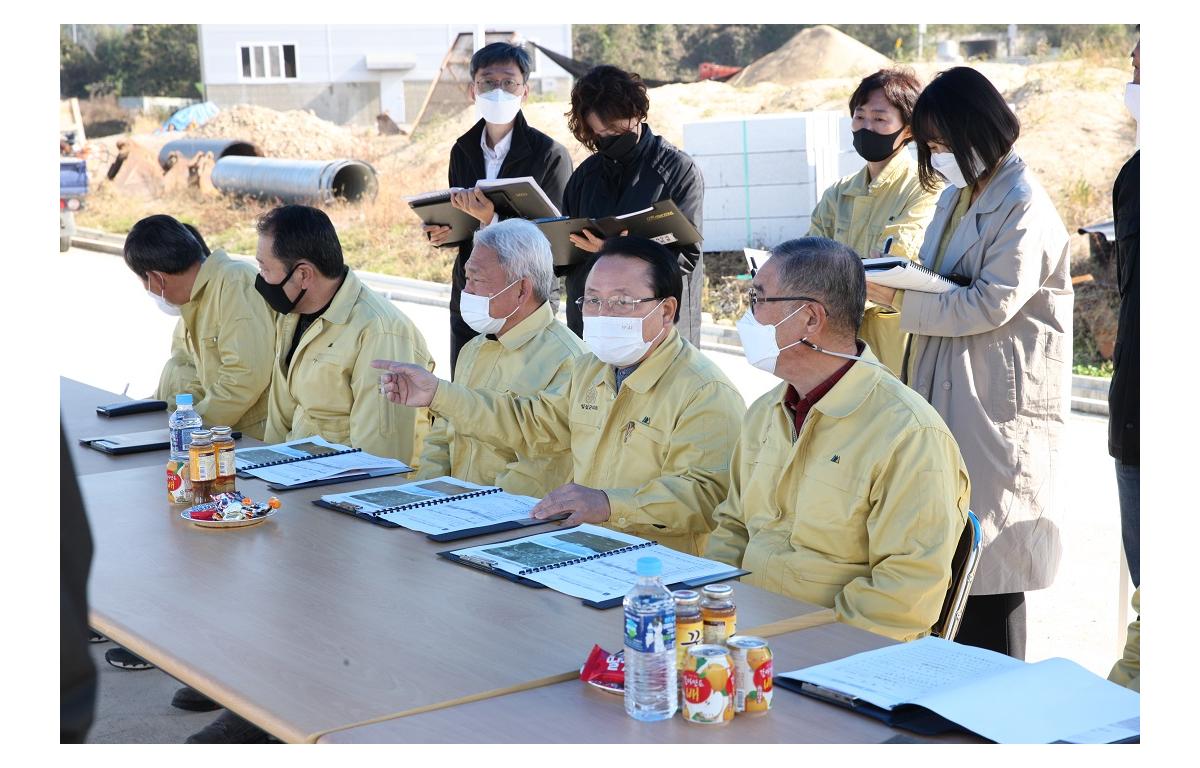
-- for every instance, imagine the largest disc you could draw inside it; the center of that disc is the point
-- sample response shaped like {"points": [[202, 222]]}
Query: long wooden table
{"points": [[574, 712], [316, 620], [77, 408]]}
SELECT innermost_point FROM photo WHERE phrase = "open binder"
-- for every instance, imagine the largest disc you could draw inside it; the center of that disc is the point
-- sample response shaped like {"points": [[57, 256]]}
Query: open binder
{"points": [[517, 198], [662, 222], [444, 508], [312, 461], [903, 274], [595, 564]]}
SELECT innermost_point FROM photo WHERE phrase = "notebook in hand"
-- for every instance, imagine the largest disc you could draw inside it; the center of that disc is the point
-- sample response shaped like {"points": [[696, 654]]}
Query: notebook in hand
{"points": [[512, 198], [311, 461], [134, 442], [933, 685], [444, 508], [661, 222], [595, 564], [902, 274]]}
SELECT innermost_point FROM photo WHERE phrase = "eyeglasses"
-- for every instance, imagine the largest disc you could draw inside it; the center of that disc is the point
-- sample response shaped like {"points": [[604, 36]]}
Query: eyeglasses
{"points": [[755, 299], [486, 86], [613, 303]]}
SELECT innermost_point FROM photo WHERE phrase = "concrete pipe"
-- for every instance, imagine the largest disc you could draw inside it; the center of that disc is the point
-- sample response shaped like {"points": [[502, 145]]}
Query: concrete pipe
{"points": [[311, 182], [188, 148]]}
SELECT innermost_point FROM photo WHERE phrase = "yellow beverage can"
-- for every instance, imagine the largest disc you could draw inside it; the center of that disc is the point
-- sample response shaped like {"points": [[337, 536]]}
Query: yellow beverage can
{"points": [[708, 685], [753, 674]]}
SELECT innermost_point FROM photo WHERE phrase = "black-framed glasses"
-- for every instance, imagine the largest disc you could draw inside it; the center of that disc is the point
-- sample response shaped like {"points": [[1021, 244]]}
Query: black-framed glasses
{"points": [[486, 86], [755, 299], [625, 303]]}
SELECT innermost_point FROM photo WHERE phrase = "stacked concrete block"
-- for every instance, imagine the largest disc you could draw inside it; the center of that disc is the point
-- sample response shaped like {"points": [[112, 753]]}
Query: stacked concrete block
{"points": [[763, 175]]}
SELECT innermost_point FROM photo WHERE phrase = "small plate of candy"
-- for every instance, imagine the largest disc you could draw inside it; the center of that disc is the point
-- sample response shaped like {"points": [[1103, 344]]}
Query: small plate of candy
{"points": [[230, 510]]}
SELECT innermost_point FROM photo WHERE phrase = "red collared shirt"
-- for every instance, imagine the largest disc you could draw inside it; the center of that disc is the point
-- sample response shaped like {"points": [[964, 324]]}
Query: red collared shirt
{"points": [[800, 406]]}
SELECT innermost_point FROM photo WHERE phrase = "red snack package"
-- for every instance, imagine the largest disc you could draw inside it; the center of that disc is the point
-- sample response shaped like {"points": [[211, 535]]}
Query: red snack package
{"points": [[605, 670]]}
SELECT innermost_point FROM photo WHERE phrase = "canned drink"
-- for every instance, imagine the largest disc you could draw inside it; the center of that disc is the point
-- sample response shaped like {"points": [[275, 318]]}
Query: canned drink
{"points": [[753, 674], [708, 685], [179, 484]]}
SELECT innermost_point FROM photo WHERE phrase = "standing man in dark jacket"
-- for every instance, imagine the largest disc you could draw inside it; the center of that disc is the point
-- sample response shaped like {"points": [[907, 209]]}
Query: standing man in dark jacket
{"points": [[632, 169], [500, 146], [1124, 393]]}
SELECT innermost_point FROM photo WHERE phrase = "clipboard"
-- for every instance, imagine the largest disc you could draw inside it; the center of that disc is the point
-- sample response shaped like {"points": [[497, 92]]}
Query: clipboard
{"points": [[134, 442]]}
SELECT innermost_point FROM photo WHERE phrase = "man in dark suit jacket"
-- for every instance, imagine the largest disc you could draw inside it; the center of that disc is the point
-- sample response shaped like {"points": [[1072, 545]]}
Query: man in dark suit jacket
{"points": [[500, 146], [1124, 393]]}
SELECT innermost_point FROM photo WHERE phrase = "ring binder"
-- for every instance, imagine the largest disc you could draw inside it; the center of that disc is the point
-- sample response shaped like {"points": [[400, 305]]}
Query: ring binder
{"points": [[294, 459], [586, 558], [434, 502]]}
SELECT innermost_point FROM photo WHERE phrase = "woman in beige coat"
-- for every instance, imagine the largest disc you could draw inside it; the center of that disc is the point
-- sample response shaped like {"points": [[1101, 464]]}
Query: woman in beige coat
{"points": [[993, 356]]}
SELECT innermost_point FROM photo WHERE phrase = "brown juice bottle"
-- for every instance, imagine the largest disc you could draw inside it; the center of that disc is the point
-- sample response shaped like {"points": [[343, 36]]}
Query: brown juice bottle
{"points": [[202, 465], [223, 444], [719, 614]]}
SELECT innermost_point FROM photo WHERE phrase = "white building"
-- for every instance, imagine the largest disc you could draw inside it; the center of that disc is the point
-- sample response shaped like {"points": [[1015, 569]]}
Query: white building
{"points": [[351, 73]]}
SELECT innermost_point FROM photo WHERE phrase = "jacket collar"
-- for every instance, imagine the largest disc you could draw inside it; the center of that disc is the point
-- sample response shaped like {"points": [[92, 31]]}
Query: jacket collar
{"points": [[652, 368], [520, 149], [895, 168], [520, 334], [344, 300], [1008, 175], [852, 390], [213, 264]]}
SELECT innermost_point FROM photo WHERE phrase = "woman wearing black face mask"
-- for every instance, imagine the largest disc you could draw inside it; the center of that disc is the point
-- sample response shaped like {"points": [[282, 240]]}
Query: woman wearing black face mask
{"points": [[883, 200], [632, 169]]}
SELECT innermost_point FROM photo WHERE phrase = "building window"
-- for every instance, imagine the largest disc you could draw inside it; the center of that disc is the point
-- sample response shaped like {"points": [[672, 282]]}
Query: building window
{"points": [[268, 61]]}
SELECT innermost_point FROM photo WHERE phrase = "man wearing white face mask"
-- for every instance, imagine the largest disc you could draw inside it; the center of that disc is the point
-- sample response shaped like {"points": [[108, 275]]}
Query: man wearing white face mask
{"points": [[521, 349], [847, 490], [222, 347], [500, 146], [648, 419]]}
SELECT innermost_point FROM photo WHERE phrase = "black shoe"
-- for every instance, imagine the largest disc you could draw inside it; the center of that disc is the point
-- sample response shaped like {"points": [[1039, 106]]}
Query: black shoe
{"points": [[123, 659], [228, 728], [96, 637], [193, 701]]}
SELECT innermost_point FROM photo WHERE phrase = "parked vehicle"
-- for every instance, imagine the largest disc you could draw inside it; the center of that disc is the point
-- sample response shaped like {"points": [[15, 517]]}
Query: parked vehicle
{"points": [[72, 188]]}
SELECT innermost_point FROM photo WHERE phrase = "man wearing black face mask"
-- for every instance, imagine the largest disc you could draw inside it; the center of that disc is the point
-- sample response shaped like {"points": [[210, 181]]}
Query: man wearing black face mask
{"points": [[632, 169], [330, 328], [883, 204]]}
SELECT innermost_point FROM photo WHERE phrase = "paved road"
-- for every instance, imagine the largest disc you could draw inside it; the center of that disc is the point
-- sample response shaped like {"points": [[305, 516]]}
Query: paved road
{"points": [[126, 340]]}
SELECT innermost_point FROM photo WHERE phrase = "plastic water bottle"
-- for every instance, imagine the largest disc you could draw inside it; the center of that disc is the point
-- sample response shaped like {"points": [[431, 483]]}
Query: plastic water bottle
{"points": [[650, 680], [183, 422]]}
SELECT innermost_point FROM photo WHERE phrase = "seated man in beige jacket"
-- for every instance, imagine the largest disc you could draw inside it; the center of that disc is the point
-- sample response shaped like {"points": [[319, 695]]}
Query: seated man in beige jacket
{"points": [[330, 328], [847, 490], [648, 420], [520, 349], [222, 346]]}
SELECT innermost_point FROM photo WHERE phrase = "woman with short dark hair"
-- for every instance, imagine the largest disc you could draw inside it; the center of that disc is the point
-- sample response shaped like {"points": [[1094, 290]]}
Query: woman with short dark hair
{"points": [[631, 169], [993, 356], [883, 205]]}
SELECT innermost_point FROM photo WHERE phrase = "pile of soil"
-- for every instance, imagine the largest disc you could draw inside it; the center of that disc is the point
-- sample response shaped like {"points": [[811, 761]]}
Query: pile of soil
{"points": [[814, 53], [294, 135]]}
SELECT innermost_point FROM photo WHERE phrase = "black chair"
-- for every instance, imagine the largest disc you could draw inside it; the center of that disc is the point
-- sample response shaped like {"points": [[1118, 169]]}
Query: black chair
{"points": [[962, 575]]}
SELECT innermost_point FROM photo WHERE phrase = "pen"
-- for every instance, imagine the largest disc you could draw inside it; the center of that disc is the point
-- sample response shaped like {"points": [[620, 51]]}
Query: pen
{"points": [[887, 245]]}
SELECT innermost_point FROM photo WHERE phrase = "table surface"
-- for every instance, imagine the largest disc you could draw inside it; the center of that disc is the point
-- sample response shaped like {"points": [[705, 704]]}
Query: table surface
{"points": [[77, 408], [316, 620], [573, 712]]}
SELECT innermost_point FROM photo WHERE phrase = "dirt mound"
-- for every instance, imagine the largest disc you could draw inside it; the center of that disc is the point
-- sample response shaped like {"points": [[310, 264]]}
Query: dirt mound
{"points": [[814, 53], [295, 135]]}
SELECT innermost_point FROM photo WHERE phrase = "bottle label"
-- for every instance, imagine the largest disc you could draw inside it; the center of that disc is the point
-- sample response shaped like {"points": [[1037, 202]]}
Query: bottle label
{"points": [[689, 632], [226, 462], [204, 468], [718, 630], [181, 439], [650, 633]]}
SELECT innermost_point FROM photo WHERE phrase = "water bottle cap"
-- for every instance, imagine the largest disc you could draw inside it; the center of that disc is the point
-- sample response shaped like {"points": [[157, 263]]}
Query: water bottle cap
{"points": [[649, 566], [183, 399]]}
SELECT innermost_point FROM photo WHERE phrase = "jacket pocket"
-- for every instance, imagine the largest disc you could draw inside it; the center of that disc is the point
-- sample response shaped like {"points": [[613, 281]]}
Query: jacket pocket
{"points": [[995, 371]]}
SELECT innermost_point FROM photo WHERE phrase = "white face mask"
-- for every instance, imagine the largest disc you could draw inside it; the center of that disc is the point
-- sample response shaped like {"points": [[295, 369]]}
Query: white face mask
{"points": [[618, 340], [758, 340], [161, 300], [498, 107], [477, 311], [945, 164]]}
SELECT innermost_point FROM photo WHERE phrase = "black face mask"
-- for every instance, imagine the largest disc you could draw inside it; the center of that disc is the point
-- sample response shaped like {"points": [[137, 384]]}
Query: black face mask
{"points": [[616, 147], [874, 147], [274, 294]]}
